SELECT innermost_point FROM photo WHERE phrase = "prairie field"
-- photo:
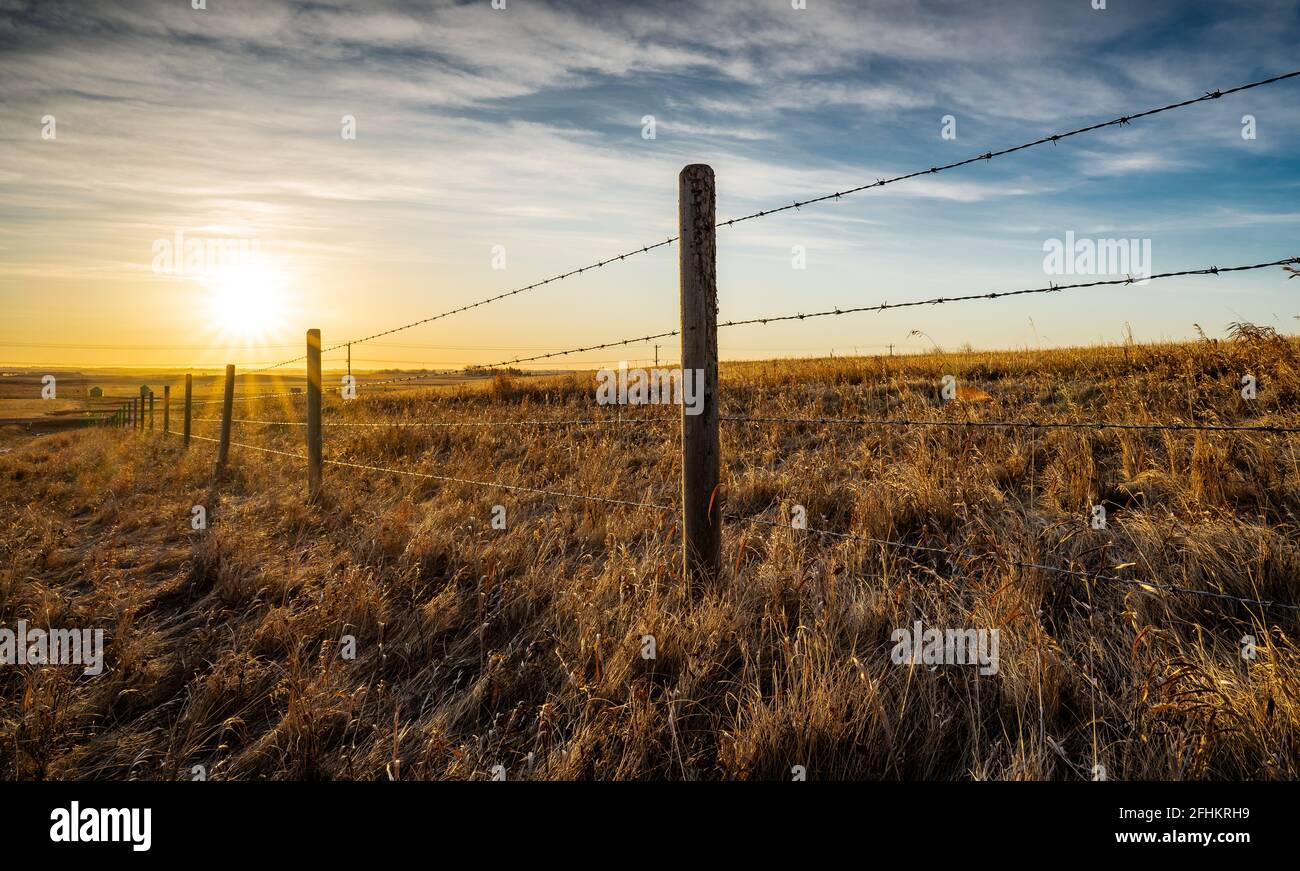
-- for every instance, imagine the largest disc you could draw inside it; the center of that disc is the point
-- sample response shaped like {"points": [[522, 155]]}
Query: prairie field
{"points": [[392, 631]]}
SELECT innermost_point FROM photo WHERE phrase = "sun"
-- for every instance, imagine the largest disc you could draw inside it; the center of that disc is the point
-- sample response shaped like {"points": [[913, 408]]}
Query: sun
{"points": [[246, 301]]}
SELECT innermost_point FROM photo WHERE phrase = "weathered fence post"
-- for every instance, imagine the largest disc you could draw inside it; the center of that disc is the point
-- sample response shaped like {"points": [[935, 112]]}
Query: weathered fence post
{"points": [[150, 411], [189, 394], [144, 391], [167, 409], [134, 402], [227, 411], [314, 444], [701, 500]]}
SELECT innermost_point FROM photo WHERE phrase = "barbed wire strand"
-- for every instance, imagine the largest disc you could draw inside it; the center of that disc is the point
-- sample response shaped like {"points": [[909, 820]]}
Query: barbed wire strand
{"points": [[1021, 424], [1144, 585], [1156, 426], [454, 423], [627, 503], [884, 306]]}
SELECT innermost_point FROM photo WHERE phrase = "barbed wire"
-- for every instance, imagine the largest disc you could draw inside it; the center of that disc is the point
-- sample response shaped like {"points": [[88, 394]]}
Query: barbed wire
{"points": [[885, 306], [1123, 120], [1021, 424], [491, 299], [1147, 586], [947, 553], [454, 423], [585, 497], [1155, 426]]}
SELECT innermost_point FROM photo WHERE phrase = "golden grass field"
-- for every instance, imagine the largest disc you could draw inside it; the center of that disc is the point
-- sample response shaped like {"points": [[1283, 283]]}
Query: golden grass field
{"points": [[478, 647]]}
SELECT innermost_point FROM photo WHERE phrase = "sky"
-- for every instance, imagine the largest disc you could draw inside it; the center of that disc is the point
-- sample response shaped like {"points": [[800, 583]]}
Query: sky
{"points": [[493, 148]]}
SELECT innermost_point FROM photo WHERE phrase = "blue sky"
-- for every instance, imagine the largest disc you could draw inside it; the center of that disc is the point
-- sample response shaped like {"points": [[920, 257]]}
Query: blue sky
{"points": [[523, 128]]}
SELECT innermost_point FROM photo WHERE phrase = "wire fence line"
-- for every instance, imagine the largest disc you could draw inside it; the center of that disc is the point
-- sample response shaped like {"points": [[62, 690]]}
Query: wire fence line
{"points": [[1017, 424], [1054, 138], [885, 306], [603, 421], [497, 485], [947, 553], [958, 559], [989, 155], [1156, 426]]}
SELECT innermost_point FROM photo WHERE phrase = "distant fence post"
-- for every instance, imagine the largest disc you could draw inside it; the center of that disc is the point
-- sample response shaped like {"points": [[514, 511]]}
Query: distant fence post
{"points": [[167, 409], [314, 444], [701, 500], [150, 411], [144, 391], [189, 395], [134, 401], [227, 411]]}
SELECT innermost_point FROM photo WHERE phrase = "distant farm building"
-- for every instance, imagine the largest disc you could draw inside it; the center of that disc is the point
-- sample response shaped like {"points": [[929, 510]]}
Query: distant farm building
{"points": [[96, 393]]}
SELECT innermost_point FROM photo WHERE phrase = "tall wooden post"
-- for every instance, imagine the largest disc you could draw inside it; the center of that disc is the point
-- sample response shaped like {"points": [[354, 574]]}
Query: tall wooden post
{"points": [[189, 395], [314, 444], [167, 409], [144, 391], [150, 411], [701, 499], [227, 411], [134, 403]]}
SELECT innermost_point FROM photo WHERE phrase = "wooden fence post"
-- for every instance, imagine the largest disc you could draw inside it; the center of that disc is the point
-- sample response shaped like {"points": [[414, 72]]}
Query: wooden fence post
{"points": [[144, 391], [134, 401], [314, 443], [167, 409], [150, 411], [189, 394], [701, 499], [227, 411]]}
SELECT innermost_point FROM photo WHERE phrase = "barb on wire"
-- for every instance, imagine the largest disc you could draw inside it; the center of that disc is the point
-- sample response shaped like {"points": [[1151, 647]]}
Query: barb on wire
{"points": [[988, 155], [1147, 586]]}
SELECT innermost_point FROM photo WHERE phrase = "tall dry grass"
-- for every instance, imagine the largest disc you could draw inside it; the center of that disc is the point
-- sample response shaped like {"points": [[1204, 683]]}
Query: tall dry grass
{"points": [[479, 647]]}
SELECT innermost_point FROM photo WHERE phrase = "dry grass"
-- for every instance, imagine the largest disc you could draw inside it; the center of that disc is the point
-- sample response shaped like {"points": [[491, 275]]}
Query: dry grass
{"points": [[478, 647]]}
